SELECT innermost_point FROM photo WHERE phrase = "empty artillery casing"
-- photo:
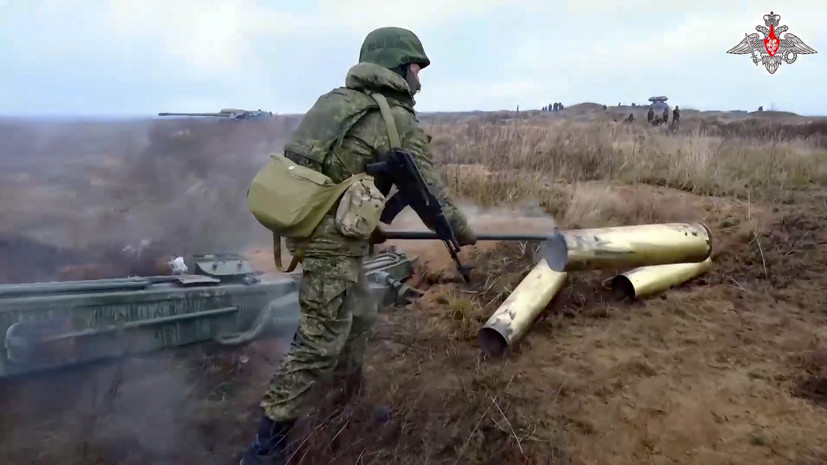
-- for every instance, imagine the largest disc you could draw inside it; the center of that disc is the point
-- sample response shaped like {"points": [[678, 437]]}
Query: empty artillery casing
{"points": [[643, 245], [516, 315], [650, 279]]}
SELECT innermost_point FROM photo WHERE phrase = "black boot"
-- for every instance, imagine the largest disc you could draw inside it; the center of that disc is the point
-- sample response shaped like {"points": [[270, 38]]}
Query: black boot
{"points": [[268, 447]]}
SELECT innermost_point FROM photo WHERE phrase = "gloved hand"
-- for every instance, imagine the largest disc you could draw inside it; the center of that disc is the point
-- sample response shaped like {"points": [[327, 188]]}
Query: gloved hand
{"points": [[377, 237], [466, 236]]}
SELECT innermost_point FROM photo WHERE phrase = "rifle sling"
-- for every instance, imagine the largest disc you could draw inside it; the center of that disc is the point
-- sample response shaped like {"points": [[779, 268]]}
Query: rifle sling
{"points": [[390, 124]]}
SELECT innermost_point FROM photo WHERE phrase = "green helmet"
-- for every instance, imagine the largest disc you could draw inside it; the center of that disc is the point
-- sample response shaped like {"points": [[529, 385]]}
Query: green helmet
{"points": [[393, 47]]}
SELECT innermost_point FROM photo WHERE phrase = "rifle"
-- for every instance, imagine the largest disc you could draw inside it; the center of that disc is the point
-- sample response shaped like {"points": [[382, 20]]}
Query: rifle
{"points": [[397, 168]]}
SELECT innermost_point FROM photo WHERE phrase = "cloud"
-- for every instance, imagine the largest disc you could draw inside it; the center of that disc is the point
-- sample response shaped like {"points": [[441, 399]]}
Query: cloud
{"points": [[361, 16], [216, 37], [103, 56], [489, 95]]}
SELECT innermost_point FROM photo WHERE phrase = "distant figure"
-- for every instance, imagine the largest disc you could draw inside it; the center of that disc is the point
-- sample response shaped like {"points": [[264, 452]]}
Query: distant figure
{"points": [[618, 104], [518, 108], [630, 119], [554, 108], [761, 108], [559, 106], [605, 108], [650, 115], [676, 118], [633, 104], [665, 115]]}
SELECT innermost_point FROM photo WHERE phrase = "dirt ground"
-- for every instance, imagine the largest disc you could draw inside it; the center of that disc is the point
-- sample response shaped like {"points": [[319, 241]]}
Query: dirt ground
{"points": [[730, 367]]}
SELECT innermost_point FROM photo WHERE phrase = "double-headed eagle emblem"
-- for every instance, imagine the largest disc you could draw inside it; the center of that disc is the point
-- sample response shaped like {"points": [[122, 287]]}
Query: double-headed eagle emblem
{"points": [[771, 50]]}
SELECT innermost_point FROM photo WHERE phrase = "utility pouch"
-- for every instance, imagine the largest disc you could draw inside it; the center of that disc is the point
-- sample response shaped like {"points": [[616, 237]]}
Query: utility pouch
{"points": [[359, 209]]}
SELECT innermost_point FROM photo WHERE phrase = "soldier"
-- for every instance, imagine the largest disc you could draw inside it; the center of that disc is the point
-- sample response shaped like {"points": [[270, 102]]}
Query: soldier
{"points": [[650, 115], [665, 115], [676, 117], [335, 320]]}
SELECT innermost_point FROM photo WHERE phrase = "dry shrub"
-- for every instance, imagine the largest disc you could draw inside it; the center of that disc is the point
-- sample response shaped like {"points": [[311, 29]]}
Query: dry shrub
{"points": [[486, 188], [562, 150], [595, 205]]}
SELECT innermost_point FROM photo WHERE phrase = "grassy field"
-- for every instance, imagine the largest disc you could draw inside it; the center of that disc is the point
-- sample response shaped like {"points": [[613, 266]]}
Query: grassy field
{"points": [[729, 368]]}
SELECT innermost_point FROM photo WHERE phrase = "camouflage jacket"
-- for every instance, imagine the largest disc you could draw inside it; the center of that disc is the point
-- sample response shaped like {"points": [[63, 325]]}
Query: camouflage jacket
{"points": [[344, 131]]}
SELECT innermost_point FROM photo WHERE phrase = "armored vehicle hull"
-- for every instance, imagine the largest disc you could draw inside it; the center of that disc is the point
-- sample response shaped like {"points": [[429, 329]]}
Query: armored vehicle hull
{"points": [[50, 325]]}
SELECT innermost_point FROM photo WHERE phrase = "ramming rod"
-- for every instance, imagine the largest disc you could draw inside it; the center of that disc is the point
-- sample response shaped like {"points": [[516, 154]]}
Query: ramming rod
{"points": [[427, 235]]}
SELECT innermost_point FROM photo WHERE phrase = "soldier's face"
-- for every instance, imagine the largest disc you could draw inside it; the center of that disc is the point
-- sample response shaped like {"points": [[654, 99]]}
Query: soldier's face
{"points": [[413, 77]]}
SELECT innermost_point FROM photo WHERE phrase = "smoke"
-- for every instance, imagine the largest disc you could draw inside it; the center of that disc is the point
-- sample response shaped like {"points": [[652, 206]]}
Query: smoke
{"points": [[122, 194], [84, 200]]}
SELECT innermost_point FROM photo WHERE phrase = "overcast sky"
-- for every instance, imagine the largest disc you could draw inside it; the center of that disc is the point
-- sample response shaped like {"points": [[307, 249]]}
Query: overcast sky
{"points": [[140, 57]]}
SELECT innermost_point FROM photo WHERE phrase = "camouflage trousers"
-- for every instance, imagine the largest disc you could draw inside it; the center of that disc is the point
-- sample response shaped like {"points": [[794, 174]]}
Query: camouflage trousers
{"points": [[337, 315]]}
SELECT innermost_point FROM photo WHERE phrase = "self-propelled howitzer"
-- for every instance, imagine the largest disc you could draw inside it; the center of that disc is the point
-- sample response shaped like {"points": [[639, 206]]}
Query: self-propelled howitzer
{"points": [[223, 301], [233, 113]]}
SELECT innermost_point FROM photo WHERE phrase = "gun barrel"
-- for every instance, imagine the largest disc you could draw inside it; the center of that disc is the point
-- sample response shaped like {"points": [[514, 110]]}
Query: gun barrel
{"points": [[193, 114], [428, 235]]}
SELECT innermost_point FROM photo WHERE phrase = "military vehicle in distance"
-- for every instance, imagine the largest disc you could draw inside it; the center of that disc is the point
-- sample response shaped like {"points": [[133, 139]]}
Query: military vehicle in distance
{"points": [[659, 105], [232, 113], [223, 300]]}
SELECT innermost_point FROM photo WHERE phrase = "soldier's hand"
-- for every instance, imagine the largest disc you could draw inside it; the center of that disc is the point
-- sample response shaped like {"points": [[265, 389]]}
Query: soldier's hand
{"points": [[377, 237], [466, 236]]}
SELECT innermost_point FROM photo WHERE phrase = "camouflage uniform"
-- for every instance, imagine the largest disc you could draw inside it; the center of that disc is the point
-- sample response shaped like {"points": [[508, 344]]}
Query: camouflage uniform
{"points": [[342, 132]]}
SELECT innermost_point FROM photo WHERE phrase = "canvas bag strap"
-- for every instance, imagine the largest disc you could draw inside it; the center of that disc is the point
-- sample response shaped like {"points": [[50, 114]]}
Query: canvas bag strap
{"points": [[297, 258]]}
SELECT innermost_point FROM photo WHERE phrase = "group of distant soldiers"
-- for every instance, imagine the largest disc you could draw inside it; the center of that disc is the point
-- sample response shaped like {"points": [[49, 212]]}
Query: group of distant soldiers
{"points": [[553, 107], [657, 120], [651, 117]]}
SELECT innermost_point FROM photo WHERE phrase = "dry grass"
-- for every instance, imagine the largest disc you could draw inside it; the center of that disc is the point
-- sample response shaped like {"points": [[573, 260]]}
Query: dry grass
{"points": [[723, 369], [728, 368], [572, 151]]}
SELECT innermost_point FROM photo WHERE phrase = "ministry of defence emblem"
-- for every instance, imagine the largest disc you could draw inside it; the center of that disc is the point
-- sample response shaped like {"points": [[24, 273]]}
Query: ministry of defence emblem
{"points": [[771, 50]]}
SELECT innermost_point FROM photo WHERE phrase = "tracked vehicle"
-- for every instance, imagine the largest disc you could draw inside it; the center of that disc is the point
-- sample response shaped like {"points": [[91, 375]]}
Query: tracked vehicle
{"points": [[218, 299]]}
